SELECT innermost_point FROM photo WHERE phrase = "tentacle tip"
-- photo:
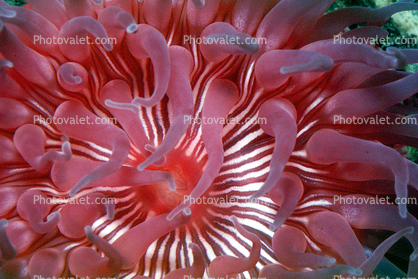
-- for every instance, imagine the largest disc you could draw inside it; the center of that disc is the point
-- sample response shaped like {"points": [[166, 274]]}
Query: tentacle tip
{"points": [[192, 245], [6, 63], [250, 48], [284, 70], [399, 58], [141, 167], [3, 223], [413, 257], [355, 271], [54, 215], [88, 230], [64, 138], [233, 219], [4, 12], [171, 215], [109, 103], [410, 230], [331, 261], [66, 149], [273, 227], [403, 211], [132, 28], [187, 211], [255, 196], [172, 185], [108, 47], [199, 4], [72, 193]]}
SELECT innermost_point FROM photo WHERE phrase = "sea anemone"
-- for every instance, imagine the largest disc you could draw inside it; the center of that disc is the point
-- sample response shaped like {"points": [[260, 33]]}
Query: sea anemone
{"points": [[189, 139]]}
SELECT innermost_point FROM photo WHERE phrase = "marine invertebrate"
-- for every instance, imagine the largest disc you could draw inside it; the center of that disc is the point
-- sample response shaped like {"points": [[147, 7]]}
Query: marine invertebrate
{"points": [[225, 148]]}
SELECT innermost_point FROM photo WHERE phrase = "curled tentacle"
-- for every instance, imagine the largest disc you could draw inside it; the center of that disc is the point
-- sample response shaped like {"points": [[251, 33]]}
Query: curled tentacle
{"points": [[133, 243], [73, 217], [103, 134], [72, 77], [195, 271], [180, 93], [65, 175], [32, 206], [117, 97], [327, 228], [289, 245], [373, 213], [228, 266], [220, 98], [280, 122], [31, 65], [79, 8], [275, 67], [286, 193], [30, 141], [48, 262], [223, 39], [117, 23], [85, 261], [148, 42], [328, 146], [80, 27]]}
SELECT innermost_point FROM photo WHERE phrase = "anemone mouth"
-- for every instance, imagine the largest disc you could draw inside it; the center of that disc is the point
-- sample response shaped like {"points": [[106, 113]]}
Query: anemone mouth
{"points": [[208, 138]]}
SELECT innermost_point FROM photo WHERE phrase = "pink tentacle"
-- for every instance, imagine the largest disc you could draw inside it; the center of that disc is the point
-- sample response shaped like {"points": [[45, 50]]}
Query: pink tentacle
{"points": [[33, 66], [133, 244], [30, 141], [228, 266], [106, 135], [180, 94], [328, 227], [117, 22], [280, 122], [286, 193], [31, 206], [14, 114], [195, 271], [85, 261], [149, 42], [220, 98], [79, 8], [289, 245], [80, 27], [328, 146], [52, 10], [275, 67], [47, 262], [73, 217], [216, 34], [65, 175]]}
